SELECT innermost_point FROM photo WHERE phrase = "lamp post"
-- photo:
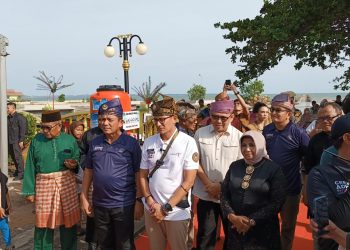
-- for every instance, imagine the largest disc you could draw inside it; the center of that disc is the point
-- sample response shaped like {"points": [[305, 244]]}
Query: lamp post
{"points": [[3, 105], [125, 52]]}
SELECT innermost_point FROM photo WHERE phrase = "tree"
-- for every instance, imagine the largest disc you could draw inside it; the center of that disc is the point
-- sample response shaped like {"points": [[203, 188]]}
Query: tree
{"points": [[252, 89], [61, 98], [252, 92], [196, 92], [50, 83], [315, 32]]}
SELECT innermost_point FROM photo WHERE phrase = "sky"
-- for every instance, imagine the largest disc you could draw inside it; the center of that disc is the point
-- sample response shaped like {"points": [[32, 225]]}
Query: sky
{"points": [[68, 38]]}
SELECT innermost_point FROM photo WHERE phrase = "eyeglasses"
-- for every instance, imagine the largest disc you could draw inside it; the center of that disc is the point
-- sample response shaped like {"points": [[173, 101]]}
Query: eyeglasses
{"points": [[218, 117], [160, 120], [278, 110], [327, 118], [49, 128]]}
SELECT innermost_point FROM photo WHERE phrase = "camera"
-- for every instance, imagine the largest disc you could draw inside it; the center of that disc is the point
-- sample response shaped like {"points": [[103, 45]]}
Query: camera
{"points": [[228, 82]]}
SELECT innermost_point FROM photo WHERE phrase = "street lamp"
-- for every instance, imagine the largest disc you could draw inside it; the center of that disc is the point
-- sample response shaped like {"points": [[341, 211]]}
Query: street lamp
{"points": [[4, 42], [124, 48]]}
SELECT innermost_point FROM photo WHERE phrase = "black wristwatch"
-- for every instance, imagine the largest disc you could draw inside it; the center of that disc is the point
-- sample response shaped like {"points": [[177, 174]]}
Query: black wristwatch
{"points": [[139, 199], [166, 208]]}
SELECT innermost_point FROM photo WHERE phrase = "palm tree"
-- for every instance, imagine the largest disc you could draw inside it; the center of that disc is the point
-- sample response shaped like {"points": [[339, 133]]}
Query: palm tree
{"points": [[50, 83]]}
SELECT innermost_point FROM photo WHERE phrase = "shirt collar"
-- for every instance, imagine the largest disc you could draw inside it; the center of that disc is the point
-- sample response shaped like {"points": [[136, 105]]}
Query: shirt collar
{"points": [[229, 130]]}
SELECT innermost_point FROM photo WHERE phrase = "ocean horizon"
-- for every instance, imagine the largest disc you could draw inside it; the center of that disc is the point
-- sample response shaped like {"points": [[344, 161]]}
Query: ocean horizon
{"points": [[318, 97]]}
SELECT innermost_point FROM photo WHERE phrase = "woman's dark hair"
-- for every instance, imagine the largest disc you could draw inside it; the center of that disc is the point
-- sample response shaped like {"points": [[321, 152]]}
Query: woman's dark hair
{"points": [[257, 107]]}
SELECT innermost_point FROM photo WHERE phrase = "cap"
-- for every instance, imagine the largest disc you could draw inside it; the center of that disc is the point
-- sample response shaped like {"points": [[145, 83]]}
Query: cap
{"points": [[341, 126], [112, 107], [50, 116]]}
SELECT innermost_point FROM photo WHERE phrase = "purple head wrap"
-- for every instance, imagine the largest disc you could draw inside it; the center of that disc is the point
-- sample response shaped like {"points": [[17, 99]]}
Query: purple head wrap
{"points": [[282, 100], [225, 106]]}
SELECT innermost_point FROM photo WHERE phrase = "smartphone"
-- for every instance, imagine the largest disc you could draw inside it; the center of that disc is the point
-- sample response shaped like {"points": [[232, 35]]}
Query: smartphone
{"points": [[228, 82], [321, 213]]}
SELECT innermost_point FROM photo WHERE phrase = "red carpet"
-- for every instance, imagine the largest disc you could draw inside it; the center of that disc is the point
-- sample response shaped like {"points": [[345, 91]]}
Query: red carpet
{"points": [[302, 240]]}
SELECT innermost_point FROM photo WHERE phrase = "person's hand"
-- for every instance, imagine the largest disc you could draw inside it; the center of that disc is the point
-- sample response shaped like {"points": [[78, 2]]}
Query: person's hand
{"points": [[233, 87], [20, 144], [2, 213], [30, 198], [157, 213], [85, 205], [70, 163], [240, 223], [334, 232], [138, 211], [214, 189]]}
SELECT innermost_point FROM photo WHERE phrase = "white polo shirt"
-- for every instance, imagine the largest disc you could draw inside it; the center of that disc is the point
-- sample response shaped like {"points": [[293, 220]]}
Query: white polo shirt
{"points": [[182, 155], [216, 153]]}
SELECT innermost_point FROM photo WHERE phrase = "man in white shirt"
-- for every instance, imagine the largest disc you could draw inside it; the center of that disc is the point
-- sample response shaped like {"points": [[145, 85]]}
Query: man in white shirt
{"points": [[166, 183], [218, 146]]}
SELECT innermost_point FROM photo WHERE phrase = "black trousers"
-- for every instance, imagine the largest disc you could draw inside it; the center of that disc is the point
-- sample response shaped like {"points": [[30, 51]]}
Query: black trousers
{"points": [[115, 227], [90, 235], [208, 213], [16, 155]]}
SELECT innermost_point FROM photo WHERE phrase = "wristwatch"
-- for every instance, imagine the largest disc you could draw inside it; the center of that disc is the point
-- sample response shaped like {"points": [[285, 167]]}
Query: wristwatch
{"points": [[252, 222], [166, 208], [236, 93]]}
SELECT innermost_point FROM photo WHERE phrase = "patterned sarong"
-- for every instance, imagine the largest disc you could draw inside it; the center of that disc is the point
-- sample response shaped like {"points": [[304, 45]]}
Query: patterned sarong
{"points": [[56, 200]]}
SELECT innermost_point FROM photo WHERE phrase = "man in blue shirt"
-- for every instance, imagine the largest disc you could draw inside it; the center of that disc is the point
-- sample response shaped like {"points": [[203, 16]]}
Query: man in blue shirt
{"points": [[333, 181], [286, 144], [113, 164]]}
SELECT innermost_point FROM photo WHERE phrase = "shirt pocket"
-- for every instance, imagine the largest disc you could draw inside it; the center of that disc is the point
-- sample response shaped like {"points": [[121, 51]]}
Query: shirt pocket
{"points": [[206, 144], [230, 150]]}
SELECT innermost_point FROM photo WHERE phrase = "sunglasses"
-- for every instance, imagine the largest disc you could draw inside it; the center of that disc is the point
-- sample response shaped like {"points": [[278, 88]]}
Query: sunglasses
{"points": [[218, 117], [49, 128], [278, 110]]}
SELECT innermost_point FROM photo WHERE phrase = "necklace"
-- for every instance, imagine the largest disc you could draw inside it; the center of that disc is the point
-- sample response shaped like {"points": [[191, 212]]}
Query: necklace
{"points": [[249, 170]]}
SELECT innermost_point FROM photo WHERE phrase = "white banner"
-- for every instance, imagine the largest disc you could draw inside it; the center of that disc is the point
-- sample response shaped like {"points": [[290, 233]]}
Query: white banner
{"points": [[131, 120]]}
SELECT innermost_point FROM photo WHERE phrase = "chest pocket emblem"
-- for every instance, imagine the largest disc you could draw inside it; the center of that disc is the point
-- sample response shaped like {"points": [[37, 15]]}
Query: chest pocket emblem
{"points": [[150, 153]]}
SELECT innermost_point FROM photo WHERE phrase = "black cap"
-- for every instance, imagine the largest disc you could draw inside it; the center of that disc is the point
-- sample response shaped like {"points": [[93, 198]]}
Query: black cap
{"points": [[341, 126]]}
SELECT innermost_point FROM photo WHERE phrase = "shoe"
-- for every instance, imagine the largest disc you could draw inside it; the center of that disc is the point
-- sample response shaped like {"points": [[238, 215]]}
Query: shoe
{"points": [[17, 178], [92, 246]]}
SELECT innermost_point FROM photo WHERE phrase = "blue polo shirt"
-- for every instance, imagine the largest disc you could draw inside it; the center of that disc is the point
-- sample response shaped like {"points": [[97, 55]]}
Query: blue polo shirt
{"points": [[114, 167], [286, 148]]}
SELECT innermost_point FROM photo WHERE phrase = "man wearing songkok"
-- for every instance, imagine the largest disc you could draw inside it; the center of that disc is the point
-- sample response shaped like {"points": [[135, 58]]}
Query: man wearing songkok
{"points": [[286, 144], [168, 170], [112, 164], [50, 182], [218, 146]]}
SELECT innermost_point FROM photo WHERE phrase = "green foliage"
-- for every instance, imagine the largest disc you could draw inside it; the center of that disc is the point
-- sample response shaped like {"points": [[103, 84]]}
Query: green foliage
{"points": [[61, 98], [314, 32], [196, 92], [252, 89], [31, 127]]}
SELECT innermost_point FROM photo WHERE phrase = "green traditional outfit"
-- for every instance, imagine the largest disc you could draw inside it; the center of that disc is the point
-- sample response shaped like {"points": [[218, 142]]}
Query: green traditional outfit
{"points": [[54, 187]]}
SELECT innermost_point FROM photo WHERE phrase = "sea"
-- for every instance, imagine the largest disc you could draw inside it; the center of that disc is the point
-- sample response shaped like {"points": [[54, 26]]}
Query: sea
{"points": [[318, 97]]}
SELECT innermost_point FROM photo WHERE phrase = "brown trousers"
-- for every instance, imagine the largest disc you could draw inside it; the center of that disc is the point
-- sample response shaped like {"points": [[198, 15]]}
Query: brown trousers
{"points": [[173, 232]]}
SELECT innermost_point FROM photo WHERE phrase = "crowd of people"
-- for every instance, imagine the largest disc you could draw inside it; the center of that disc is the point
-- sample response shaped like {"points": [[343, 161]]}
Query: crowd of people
{"points": [[247, 170]]}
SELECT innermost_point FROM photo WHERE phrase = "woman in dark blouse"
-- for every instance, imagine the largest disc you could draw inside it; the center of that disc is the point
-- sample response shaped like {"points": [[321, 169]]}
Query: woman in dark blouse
{"points": [[253, 193]]}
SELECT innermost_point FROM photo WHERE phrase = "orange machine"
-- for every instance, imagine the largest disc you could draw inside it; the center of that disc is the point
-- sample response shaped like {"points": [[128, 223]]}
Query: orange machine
{"points": [[103, 94]]}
